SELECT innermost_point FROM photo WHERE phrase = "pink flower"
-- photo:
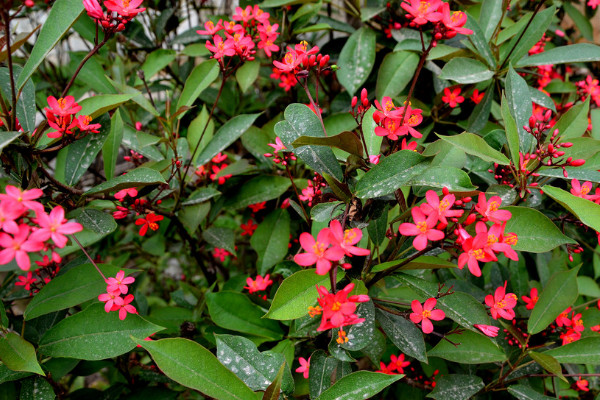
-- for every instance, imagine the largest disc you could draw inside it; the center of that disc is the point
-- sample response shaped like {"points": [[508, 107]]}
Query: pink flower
{"points": [[83, 122], [495, 243], [220, 254], [318, 251], [474, 251], [125, 8], [423, 229], [124, 306], [440, 209], [244, 15], [18, 246], [119, 283], [23, 199], [582, 191], [374, 159], [109, 300], [93, 8], [338, 309], [412, 146], [267, 43], [531, 300], [490, 209], [563, 318], [304, 367], [454, 22], [489, 330], [151, 221], [210, 28], [63, 106], [8, 214], [290, 62], [220, 48], [346, 239], [582, 384], [452, 97], [278, 146], [258, 284], [26, 281], [121, 194], [593, 3], [423, 11], [398, 362], [260, 15], [570, 336], [425, 313], [502, 303], [55, 227]]}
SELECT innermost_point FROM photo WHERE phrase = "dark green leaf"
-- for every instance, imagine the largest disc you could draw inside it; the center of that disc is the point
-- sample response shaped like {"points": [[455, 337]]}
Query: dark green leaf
{"points": [[549, 363], [491, 12], [356, 59], [473, 349], [444, 177], [7, 138], [136, 178], [479, 41], [272, 392], [347, 141], [456, 387], [574, 122], [580, 52], [201, 195], [359, 385], [110, 149], [201, 77], [519, 104], [360, 335], [223, 238], [466, 70], [587, 211], [247, 74], [524, 392], [581, 21], [475, 145], [583, 351], [271, 240], [533, 33], [512, 132], [97, 221], [404, 334], [200, 127], [36, 388], [18, 354], [395, 73], [256, 190]]}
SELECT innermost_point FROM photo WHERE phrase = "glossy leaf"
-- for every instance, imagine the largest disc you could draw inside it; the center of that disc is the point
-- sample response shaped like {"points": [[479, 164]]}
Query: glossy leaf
{"points": [[110, 149], [97, 221], [360, 335], [533, 33], [193, 366], [274, 389], [456, 387], [359, 385], [225, 136], [97, 105], [491, 12], [347, 141], [356, 59], [200, 127], [512, 132], [271, 239], [474, 348], [587, 211], [580, 52], [26, 100], [582, 351], [18, 354], [559, 293], [256, 190], [61, 17], [235, 311], [475, 145], [201, 77], [220, 237], [480, 41], [7, 138], [519, 104], [524, 392], [549, 363], [301, 121], [247, 74], [574, 122], [297, 293], [536, 232], [395, 73], [466, 70], [36, 388], [136, 178], [94, 334], [83, 283], [392, 172], [404, 334], [444, 177]]}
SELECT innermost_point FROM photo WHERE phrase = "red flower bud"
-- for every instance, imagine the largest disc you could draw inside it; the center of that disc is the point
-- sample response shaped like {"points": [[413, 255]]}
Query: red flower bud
{"points": [[577, 163], [532, 121], [445, 191], [323, 62], [470, 219], [550, 148], [566, 144], [354, 101]]}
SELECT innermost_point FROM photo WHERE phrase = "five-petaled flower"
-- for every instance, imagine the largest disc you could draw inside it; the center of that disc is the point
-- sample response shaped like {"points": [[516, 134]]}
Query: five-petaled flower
{"points": [[151, 221], [501, 303], [452, 97], [531, 300], [54, 226], [258, 284], [304, 367], [423, 229], [425, 313]]}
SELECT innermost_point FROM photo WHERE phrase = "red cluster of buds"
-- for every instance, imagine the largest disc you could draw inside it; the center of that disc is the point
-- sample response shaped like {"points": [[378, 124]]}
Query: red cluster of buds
{"points": [[282, 158], [297, 63], [359, 112], [118, 14], [394, 122]]}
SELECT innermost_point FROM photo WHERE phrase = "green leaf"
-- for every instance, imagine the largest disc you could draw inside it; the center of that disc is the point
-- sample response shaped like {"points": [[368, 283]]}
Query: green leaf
{"points": [[192, 216], [461, 307], [533, 33], [110, 149], [439, 177], [491, 12], [247, 74], [512, 132], [195, 130], [256, 190], [359, 385], [473, 348], [480, 41], [321, 368], [560, 292], [356, 59], [347, 141], [587, 211], [574, 122], [423, 262], [7, 138], [256, 369], [325, 212], [36, 388], [220, 237], [456, 387], [392, 172], [541, 98], [226, 135], [193, 366], [297, 293], [272, 392], [581, 21], [26, 100], [301, 121], [271, 240], [97, 221], [136, 178], [582, 351], [519, 104], [201, 195], [580, 52], [465, 70], [155, 62], [76, 158], [94, 334], [18, 354], [524, 392], [404, 334], [395, 73], [201, 77], [368, 127], [475, 145], [360, 335], [61, 17], [235, 311], [549, 363], [536, 232]]}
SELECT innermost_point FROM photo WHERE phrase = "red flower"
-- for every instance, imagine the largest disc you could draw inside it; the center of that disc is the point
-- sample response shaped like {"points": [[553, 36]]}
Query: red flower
{"points": [[290, 62], [121, 194], [577, 323], [489, 330], [220, 254], [502, 303], [125, 8], [490, 209], [149, 222], [83, 122], [318, 251], [63, 106], [93, 9], [425, 313], [18, 246], [563, 318], [337, 308], [346, 239], [440, 209], [124, 307], [582, 384], [531, 300], [454, 22], [386, 369], [423, 11], [26, 281], [423, 229], [570, 336], [452, 98], [474, 251], [399, 363], [476, 97], [248, 228], [258, 284], [304, 366], [118, 284], [258, 206], [215, 175], [55, 227]]}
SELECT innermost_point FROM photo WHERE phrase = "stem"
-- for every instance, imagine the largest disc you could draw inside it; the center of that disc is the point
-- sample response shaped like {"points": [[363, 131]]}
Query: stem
{"points": [[88, 256], [13, 115]]}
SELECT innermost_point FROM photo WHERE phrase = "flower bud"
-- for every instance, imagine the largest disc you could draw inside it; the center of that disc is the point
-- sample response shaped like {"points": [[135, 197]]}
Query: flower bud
{"points": [[577, 163], [470, 219], [323, 62], [566, 144], [532, 121], [445, 191], [354, 101]]}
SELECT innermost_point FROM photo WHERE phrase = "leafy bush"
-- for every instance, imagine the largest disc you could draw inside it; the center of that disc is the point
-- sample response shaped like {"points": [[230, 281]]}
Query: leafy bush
{"points": [[324, 200]]}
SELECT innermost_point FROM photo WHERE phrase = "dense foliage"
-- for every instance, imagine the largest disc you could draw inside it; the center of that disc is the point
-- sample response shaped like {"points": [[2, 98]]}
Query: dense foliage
{"points": [[299, 199]]}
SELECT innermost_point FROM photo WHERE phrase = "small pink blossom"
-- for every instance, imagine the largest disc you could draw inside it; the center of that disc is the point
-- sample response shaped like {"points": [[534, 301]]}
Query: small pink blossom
{"points": [[424, 313], [490, 209], [258, 284], [54, 226], [121, 194], [18, 246], [119, 283], [501, 303], [318, 251], [304, 367], [346, 239], [489, 330], [423, 229], [125, 8]]}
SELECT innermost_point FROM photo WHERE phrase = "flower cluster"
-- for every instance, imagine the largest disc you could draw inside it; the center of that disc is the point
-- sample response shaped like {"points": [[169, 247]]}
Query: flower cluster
{"points": [[337, 309], [213, 169], [396, 365], [572, 325], [119, 13], [394, 122], [447, 24], [297, 62], [23, 233], [332, 245], [115, 287], [61, 117], [277, 157], [312, 192], [138, 207], [258, 284], [250, 28], [34, 281]]}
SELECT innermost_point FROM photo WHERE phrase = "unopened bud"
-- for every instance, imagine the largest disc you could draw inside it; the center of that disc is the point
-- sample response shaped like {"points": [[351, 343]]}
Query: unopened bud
{"points": [[354, 101], [577, 163], [532, 121], [470, 219], [445, 191], [566, 144]]}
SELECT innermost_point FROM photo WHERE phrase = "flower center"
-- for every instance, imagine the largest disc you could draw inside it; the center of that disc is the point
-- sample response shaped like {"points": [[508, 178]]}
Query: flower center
{"points": [[336, 306], [349, 236], [153, 225], [342, 338], [424, 7], [493, 206], [491, 239], [456, 16], [61, 103], [585, 190], [426, 314], [478, 254], [444, 204], [125, 3], [422, 226], [319, 249], [511, 239]]}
